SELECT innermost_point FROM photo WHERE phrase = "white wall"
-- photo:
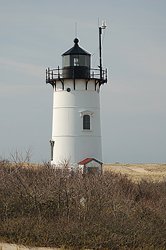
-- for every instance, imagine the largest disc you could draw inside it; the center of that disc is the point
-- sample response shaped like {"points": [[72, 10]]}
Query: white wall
{"points": [[71, 141]]}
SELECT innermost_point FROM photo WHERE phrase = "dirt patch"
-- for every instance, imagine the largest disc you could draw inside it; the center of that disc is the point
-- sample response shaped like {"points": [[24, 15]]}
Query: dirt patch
{"points": [[6, 246]]}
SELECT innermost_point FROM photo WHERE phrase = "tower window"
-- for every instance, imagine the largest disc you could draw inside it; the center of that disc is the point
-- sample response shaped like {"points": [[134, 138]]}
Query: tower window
{"points": [[76, 61], [86, 122]]}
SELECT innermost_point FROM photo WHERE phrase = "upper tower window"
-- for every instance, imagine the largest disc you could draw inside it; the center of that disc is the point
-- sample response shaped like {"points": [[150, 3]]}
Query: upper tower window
{"points": [[66, 61], [86, 122], [86, 116], [76, 61]]}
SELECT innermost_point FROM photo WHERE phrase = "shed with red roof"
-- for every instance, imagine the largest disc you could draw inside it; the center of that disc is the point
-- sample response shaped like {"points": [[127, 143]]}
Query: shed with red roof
{"points": [[90, 165]]}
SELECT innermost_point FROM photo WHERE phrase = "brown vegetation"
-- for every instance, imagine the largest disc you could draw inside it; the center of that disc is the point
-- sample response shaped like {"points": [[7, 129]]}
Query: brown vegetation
{"points": [[46, 207], [137, 172]]}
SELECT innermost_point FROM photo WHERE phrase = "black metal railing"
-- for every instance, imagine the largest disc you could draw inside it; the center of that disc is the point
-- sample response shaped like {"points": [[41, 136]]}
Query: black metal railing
{"points": [[52, 75]]}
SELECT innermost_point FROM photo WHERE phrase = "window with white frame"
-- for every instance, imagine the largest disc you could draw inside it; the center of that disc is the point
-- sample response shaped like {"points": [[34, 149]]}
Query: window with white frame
{"points": [[86, 122], [86, 116]]}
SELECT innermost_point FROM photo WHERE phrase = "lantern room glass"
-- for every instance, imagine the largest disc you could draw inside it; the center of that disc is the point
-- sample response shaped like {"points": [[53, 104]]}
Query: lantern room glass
{"points": [[76, 60]]}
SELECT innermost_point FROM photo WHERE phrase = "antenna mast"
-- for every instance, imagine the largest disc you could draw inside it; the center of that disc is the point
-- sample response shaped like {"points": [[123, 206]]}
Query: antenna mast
{"points": [[103, 26], [76, 29]]}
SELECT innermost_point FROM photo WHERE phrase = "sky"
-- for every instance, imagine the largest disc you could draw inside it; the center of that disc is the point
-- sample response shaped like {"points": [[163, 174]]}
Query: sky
{"points": [[33, 36]]}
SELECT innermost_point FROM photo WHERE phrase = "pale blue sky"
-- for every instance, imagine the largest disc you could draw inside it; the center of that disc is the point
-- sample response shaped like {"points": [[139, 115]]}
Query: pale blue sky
{"points": [[34, 34]]}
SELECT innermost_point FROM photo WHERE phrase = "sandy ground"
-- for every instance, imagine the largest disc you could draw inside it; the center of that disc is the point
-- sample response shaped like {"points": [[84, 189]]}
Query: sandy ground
{"points": [[137, 172], [6, 246]]}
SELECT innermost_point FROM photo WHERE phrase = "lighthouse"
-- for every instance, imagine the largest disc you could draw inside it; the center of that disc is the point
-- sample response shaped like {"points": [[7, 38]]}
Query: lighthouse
{"points": [[76, 130]]}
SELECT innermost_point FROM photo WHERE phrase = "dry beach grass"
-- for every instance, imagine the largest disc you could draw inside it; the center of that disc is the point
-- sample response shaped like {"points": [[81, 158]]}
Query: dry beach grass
{"points": [[137, 172]]}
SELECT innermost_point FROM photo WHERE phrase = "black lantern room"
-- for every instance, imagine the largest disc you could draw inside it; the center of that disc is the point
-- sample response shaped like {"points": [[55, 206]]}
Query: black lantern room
{"points": [[76, 63]]}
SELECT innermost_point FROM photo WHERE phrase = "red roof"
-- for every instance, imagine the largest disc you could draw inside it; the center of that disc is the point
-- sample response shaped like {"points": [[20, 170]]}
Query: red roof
{"points": [[87, 160]]}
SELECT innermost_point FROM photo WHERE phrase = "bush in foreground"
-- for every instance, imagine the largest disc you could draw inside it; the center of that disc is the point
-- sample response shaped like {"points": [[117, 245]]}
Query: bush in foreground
{"points": [[45, 207]]}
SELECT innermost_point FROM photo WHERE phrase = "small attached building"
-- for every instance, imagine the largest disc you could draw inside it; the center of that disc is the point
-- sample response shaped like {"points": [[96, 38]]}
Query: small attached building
{"points": [[90, 165]]}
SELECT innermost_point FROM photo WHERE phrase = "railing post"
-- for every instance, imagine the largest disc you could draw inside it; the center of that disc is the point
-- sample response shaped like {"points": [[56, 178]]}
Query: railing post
{"points": [[46, 75], [58, 73]]}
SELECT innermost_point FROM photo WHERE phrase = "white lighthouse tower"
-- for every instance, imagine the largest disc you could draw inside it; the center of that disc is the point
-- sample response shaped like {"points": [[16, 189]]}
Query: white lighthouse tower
{"points": [[76, 132]]}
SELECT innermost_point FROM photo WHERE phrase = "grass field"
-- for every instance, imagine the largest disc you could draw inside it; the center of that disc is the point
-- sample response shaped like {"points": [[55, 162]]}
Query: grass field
{"points": [[137, 172]]}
